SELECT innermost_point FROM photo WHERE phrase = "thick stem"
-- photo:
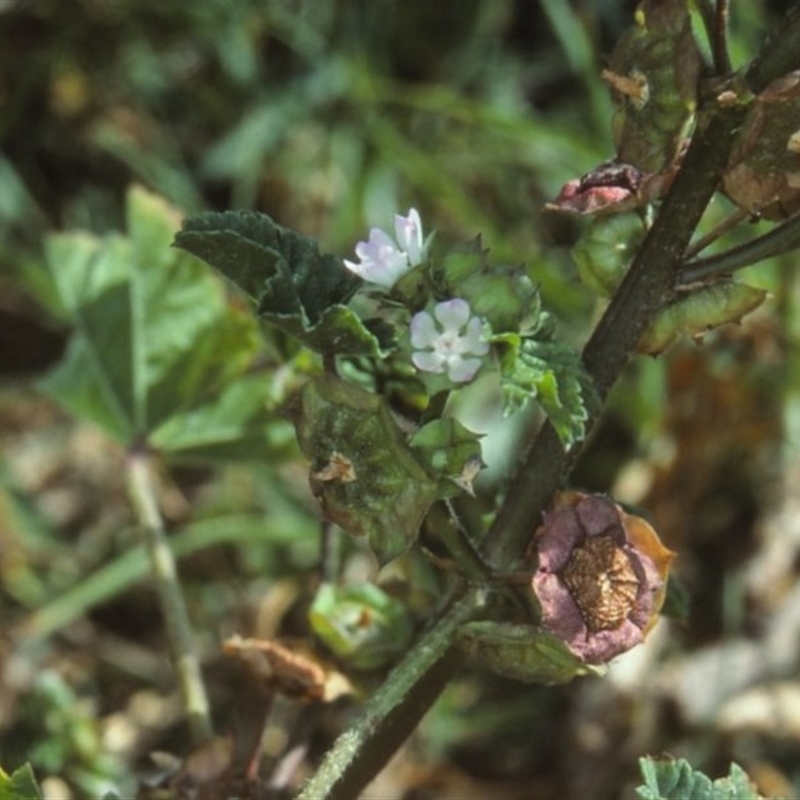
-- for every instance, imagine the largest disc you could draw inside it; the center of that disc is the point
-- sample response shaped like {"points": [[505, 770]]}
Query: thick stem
{"points": [[176, 618]]}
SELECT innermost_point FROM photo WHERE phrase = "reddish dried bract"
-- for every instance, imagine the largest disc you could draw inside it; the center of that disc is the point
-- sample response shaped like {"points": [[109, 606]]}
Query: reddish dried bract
{"points": [[601, 577], [612, 187]]}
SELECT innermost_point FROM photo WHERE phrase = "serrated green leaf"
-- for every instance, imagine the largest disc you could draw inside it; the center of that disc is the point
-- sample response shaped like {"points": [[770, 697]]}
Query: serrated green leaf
{"points": [[362, 471], [156, 337], [674, 779], [361, 624], [295, 287], [551, 373], [522, 652], [20, 785]]}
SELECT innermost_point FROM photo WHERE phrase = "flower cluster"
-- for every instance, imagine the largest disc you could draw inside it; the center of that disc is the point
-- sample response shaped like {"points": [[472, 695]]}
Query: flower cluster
{"points": [[450, 341], [455, 346], [601, 578], [382, 260]]}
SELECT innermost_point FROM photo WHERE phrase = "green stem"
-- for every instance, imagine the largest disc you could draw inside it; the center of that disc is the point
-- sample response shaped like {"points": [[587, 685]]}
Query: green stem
{"points": [[395, 709], [176, 618]]}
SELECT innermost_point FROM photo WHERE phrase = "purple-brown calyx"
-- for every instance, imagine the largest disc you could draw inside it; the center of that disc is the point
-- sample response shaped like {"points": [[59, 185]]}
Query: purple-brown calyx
{"points": [[601, 576]]}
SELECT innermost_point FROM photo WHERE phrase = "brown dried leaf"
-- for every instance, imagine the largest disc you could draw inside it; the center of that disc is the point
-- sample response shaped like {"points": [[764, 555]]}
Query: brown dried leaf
{"points": [[289, 668], [763, 174]]}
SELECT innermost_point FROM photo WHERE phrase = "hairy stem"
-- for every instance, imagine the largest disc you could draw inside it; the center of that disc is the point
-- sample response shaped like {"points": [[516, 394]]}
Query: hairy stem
{"points": [[394, 710], [176, 618]]}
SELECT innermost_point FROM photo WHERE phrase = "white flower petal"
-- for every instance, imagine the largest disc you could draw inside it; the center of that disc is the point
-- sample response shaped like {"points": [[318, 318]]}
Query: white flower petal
{"points": [[423, 330], [428, 361], [409, 235], [461, 370], [473, 338], [380, 260], [378, 239], [452, 314]]}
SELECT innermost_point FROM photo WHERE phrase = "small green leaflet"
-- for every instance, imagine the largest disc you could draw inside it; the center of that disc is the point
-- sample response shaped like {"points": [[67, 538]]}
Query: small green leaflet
{"points": [[361, 624], [674, 779], [551, 373]]}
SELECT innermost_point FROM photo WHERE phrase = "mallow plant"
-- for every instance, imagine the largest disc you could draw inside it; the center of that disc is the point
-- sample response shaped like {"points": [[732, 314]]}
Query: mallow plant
{"points": [[377, 348]]}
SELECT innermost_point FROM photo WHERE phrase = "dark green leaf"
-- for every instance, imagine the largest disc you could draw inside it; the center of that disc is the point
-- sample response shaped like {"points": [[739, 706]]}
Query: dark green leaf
{"points": [[294, 286], [522, 652], [653, 73]]}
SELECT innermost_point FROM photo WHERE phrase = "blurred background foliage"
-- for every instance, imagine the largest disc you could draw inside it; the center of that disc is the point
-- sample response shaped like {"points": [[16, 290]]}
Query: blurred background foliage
{"points": [[331, 115]]}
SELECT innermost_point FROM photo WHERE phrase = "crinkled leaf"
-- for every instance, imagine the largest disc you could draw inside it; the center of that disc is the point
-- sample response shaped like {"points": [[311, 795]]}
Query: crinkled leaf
{"points": [[362, 471], [361, 624], [294, 286], [522, 652], [155, 336], [653, 72], [450, 453], [674, 779], [697, 311], [551, 373], [504, 296], [20, 785]]}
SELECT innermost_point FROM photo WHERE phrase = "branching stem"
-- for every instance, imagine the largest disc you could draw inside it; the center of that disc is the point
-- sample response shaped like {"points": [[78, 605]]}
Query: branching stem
{"points": [[779, 240]]}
